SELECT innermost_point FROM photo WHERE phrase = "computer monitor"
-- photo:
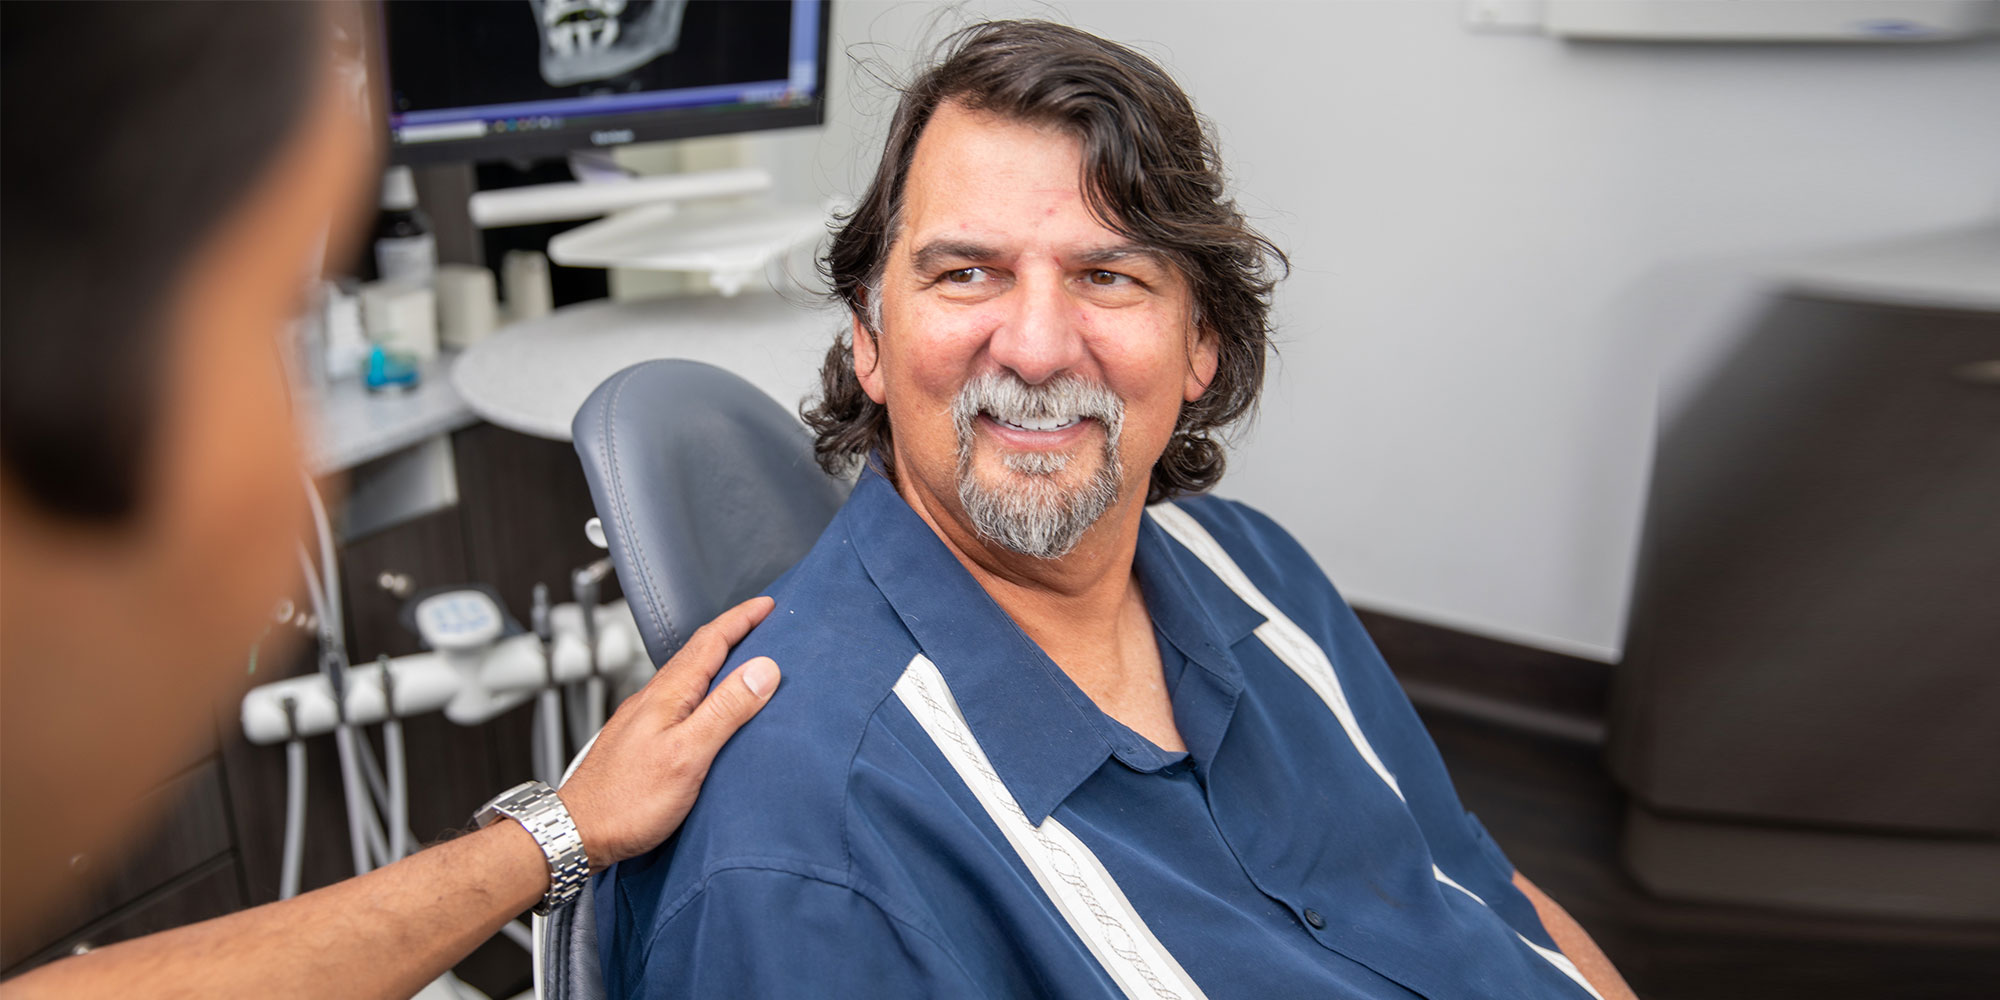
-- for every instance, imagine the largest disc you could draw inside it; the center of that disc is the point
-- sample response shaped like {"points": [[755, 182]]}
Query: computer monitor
{"points": [[521, 79]]}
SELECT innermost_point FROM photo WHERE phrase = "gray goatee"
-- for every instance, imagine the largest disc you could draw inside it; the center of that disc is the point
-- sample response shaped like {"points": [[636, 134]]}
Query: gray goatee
{"points": [[1033, 513]]}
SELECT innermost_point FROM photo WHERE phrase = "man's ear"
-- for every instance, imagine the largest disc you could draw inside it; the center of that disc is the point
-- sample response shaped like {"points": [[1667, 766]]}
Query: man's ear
{"points": [[1204, 355], [868, 363]]}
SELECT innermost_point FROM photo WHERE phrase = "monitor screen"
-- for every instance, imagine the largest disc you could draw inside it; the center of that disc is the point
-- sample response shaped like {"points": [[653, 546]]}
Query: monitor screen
{"points": [[528, 78]]}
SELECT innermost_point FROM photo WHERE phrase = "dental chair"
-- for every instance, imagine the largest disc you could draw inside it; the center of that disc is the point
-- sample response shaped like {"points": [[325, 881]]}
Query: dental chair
{"points": [[707, 490]]}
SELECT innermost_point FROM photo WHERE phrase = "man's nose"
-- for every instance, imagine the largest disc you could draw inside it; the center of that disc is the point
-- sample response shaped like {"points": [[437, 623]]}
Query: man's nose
{"points": [[1041, 336]]}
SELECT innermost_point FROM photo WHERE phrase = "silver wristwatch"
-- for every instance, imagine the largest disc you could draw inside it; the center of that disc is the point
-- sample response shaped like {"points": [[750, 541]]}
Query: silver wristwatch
{"points": [[535, 806]]}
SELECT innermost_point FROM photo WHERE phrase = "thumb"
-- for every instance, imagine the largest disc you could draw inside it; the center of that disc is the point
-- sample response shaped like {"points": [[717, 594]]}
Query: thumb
{"points": [[742, 695]]}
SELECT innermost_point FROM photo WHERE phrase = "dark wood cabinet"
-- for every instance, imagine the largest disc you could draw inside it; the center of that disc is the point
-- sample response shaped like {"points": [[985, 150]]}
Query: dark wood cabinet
{"points": [[192, 837]]}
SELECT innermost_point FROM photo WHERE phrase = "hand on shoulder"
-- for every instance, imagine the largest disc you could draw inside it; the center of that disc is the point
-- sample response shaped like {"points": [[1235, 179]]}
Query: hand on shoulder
{"points": [[639, 779]]}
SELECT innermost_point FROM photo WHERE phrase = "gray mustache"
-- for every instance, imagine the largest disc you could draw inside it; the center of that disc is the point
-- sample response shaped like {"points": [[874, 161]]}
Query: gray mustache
{"points": [[1006, 397]]}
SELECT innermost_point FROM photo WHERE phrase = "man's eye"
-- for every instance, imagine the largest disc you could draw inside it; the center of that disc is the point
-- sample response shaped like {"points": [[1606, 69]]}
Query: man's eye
{"points": [[1108, 278], [965, 275]]}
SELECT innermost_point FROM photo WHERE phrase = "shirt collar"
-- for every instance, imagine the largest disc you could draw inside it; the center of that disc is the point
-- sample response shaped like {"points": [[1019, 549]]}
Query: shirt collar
{"points": [[1192, 606], [1042, 734], [1197, 613]]}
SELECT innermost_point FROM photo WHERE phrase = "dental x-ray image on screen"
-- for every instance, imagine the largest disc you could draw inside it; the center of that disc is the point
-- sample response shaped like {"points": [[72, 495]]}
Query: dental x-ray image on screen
{"points": [[480, 80], [584, 41], [461, 55]]}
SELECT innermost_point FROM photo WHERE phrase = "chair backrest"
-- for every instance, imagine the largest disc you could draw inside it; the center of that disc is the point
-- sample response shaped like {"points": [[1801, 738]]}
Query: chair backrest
{"points": [[706, 488]]}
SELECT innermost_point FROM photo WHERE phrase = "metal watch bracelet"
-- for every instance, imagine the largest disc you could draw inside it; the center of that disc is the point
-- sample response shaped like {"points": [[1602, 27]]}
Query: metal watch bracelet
{"points": [[536, 807]]}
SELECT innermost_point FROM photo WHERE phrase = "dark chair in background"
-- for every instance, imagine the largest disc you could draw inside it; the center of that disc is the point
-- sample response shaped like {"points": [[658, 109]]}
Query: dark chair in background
{"points": [[1808, 713]]}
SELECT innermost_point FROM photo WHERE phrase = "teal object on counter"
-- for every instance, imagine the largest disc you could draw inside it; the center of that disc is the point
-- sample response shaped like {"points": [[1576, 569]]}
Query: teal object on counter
{"points": [[387, 370]]}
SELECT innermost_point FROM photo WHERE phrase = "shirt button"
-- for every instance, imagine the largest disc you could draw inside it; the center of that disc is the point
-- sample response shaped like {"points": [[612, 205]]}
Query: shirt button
{"points": [[1312, 917]]}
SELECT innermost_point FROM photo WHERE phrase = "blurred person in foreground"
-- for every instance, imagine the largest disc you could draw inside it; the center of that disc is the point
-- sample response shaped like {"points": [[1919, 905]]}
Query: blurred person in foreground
{"points": [[1062, 724], [172, 174]]}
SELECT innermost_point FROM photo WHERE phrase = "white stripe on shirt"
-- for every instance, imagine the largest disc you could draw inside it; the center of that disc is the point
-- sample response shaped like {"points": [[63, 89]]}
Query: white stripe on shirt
{"points": [[1284, 638], [1297, 650], [1082, 890]]}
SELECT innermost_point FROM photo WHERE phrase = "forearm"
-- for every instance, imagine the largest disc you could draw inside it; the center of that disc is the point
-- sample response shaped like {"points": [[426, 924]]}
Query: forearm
{"points": [[384, 934], [1575, 942], [388, 933]]}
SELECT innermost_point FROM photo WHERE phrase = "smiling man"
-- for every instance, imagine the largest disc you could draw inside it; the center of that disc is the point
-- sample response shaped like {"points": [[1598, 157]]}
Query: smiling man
{"points": [[1059, 725]]}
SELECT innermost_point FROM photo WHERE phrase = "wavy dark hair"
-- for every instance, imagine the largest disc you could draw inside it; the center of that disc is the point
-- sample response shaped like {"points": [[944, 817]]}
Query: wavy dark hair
{"points": [[1151, 173]]}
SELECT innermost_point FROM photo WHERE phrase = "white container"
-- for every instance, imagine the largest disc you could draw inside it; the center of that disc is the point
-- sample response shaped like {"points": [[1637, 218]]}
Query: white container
{"points": [[525, 275], [401, 317], [468, 305], [344, 336]]}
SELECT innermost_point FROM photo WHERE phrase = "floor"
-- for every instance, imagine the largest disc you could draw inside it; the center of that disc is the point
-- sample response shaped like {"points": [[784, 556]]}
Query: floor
{"points": [[1554, 810]]}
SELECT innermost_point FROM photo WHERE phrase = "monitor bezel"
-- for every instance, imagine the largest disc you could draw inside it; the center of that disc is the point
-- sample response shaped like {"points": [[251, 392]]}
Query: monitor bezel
{"points": [[642, 126]]}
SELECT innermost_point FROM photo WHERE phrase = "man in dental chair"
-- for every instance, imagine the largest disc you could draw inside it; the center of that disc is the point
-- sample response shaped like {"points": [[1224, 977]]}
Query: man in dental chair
{"points": [[1061, 723]]}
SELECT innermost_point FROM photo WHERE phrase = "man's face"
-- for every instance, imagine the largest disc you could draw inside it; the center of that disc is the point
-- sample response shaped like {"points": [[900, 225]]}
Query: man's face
{"points": [[1033, 361]]}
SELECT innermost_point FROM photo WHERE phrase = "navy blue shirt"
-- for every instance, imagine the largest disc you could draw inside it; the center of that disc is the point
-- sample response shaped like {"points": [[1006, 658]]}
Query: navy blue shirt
{"points": [[930, 807]]}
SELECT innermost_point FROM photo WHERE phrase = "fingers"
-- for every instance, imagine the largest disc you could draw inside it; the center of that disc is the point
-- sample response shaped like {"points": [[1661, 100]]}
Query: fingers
{"points": [[729, 706], [668, 731], [727, 629], [684, 677]]}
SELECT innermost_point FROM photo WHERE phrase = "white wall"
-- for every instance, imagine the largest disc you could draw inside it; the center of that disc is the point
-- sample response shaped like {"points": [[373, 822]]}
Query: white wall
{"points": [[1495, 240]]}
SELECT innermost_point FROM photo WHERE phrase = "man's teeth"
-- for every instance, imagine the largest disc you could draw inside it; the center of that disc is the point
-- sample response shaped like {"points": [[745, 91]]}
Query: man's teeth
{"points": [[1038, 423]]}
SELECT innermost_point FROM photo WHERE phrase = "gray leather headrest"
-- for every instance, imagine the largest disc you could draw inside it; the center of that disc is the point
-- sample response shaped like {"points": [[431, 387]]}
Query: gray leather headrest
{"points": [[706, 487]]}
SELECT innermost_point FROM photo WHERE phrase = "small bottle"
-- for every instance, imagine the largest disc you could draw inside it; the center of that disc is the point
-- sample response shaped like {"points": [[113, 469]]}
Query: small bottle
{"points": [[405, 246]]}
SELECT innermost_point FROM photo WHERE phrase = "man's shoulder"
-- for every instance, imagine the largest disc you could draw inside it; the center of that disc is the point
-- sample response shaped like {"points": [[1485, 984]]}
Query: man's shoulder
{"points": [[1223, 516], [840, 646], [831, 620], [775, 795], [1256, 543], [1272, 561]]}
